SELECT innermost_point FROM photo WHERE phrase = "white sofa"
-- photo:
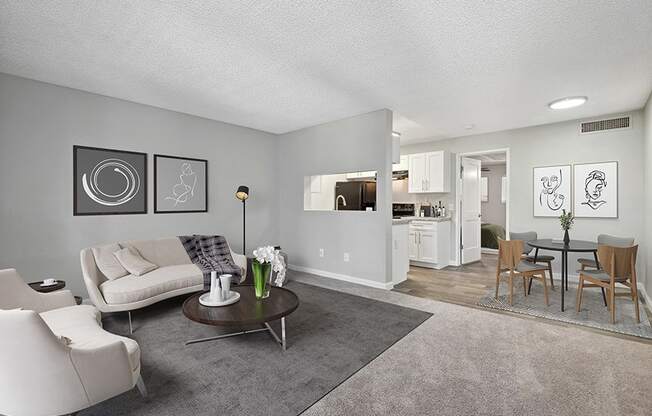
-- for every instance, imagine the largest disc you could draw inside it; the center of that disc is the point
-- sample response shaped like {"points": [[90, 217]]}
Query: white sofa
{"points": [[176, 275], [44, 374]]}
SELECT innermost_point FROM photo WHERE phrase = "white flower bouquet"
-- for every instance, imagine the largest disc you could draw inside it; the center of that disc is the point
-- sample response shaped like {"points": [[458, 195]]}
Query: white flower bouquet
{"points": [[267, 259]]}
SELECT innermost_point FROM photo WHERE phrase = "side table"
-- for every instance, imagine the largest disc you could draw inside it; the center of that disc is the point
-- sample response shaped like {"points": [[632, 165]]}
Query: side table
{"points": [[47, 289]]}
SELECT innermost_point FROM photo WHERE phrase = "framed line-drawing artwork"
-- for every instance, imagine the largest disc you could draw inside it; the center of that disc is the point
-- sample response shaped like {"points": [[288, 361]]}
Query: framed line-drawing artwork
{"points": [[596, 190], [109, 181], [551, 190], [180, 184]]}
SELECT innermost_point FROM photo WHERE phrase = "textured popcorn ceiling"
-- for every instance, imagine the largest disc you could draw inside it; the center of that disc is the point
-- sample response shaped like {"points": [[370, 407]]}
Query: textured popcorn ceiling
{"points": [[280, 66]]}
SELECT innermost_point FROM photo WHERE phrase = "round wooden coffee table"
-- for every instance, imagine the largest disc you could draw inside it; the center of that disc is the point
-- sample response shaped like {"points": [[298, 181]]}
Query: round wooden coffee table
{"points": [[247, 311]]}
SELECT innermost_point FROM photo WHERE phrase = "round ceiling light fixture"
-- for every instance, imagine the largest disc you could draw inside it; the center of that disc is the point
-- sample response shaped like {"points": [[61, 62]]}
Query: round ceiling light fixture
{"points": [[568, 102]]}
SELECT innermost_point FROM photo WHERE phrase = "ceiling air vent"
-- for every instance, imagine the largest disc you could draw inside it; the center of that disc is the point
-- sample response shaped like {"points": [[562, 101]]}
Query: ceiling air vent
{"points": [[605, 125]]}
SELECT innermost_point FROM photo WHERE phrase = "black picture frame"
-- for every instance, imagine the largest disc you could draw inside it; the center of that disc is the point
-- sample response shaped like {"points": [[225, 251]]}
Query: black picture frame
{"points": [[157, 208], [78, 211]]}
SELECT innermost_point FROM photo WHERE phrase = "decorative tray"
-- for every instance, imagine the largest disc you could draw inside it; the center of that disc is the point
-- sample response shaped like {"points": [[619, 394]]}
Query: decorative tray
{"points": [[206, 300]]}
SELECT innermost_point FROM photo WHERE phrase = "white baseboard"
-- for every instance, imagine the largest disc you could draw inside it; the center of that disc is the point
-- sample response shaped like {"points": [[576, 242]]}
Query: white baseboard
{"points": [[343, 277], [485, 250]]}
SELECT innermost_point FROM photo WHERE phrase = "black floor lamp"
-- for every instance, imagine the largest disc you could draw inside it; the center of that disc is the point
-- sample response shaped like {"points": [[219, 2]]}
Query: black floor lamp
{"points": [[242, 194]]}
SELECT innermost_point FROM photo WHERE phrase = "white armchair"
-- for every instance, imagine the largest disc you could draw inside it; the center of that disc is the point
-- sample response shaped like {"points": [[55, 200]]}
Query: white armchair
{"points": [[46, 374]]}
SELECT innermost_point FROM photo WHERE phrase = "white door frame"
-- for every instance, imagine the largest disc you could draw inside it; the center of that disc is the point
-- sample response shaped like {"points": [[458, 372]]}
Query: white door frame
{"points": [[458, 196]]}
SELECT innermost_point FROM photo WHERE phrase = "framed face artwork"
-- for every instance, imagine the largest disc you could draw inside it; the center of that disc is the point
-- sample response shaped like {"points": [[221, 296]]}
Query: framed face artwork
{"points": [[180, 184], [108, 181], [596, 190], [551, 190]]}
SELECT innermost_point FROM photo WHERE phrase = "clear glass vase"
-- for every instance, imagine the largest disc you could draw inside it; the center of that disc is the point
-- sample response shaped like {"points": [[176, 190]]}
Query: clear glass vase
{"points": [[262, 279]]}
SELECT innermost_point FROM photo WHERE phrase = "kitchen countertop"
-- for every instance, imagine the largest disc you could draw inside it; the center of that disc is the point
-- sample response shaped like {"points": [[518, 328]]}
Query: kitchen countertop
{"points": [[407, 220]]}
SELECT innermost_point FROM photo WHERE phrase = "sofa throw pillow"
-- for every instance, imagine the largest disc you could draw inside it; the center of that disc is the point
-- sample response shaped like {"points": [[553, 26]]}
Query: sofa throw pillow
{"points": [[107, 263], [131, 260]]}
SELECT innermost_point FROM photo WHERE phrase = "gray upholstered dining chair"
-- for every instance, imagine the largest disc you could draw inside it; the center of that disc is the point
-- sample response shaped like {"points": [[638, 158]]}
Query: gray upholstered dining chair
{"points": [[527, 249], [618, 266], [606, 240]]}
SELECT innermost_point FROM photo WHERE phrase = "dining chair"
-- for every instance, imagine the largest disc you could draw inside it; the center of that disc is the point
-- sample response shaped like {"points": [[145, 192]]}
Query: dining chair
{"points": [[510, 260], [618, 266], [607, 240], [527, 249]]}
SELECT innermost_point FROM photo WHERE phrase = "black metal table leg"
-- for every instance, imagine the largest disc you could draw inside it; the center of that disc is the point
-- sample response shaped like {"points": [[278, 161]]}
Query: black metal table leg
{"points": [[563, 277], [597, 266], [566, 255], [536, 255]]}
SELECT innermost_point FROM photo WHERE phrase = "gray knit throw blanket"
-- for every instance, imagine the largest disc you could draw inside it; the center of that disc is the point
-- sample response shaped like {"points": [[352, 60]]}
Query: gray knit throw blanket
{"points": [[211, 253]]}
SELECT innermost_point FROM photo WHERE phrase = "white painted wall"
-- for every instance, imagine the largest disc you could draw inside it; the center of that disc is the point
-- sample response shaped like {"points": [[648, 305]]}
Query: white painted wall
{"points": [[358, 143], [645, 252], [39, 124], [560, 143]]}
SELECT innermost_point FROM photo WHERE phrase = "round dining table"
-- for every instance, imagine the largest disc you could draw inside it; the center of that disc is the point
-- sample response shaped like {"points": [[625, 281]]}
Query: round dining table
{"points": [[574, 246]]}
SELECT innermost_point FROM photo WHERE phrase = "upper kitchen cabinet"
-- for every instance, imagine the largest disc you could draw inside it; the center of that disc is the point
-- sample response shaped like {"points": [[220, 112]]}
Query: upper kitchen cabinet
{"points": [[369, 174], [402, 165], [429, 172]]}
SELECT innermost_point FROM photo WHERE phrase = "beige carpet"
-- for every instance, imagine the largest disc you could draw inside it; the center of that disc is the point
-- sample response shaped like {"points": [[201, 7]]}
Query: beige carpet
{"points": [[466, 361]]}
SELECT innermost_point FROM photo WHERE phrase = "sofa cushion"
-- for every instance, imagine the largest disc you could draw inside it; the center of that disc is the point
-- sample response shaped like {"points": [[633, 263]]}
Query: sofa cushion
{"points": [[131, 260], [132, 288], [81, 324], [107, 263], [162, 252]]}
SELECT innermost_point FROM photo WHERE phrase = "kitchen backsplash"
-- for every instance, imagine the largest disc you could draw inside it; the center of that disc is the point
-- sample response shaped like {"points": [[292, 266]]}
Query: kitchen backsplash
{"points": [[400, 194]]}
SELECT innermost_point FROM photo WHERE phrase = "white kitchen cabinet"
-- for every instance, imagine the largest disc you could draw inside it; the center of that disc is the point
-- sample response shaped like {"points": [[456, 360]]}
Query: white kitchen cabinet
{"points": [[402, 165], [429, 172], [429, 243], [417, 173], [361, 175], [400, 260], [427, 246], [413, 245]]}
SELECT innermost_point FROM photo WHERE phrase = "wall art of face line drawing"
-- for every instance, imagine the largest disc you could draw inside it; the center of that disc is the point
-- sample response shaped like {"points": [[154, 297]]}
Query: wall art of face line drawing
{"points": [[596, 190], [551, 190]]}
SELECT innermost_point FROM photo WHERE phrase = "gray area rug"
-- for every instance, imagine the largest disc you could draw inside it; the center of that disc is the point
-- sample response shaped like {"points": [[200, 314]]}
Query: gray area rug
{"points": [[331, 336], [592, 314]]}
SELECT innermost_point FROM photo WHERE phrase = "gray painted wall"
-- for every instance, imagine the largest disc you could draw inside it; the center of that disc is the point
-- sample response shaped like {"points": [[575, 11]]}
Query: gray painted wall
{"points": [[39, 124], [560, 143], [354, 144], [493, 211], [646, 251]]}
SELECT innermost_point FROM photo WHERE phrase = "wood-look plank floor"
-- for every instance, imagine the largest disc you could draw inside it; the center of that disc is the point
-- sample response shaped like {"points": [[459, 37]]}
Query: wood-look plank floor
{"points": [[467, 284]]}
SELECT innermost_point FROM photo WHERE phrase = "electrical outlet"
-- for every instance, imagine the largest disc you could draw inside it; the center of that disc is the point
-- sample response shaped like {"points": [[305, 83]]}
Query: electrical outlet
{"points": [[346, 257], [321, 252]]}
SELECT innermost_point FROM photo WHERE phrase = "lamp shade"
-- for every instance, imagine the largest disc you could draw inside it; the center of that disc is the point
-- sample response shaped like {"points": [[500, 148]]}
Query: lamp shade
{"points": [[242, 193]]}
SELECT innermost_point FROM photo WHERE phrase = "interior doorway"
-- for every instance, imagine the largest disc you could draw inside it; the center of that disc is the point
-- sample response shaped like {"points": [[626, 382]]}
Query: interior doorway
{"points": [[482, 201]]}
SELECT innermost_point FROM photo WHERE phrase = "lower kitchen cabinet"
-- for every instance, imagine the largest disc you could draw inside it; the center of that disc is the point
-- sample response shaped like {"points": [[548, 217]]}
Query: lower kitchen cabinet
{"points": [[429, 243]]}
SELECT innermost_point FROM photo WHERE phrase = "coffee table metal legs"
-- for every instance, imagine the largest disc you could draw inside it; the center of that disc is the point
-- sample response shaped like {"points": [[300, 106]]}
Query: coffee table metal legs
{"points": [[281, 341]]}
